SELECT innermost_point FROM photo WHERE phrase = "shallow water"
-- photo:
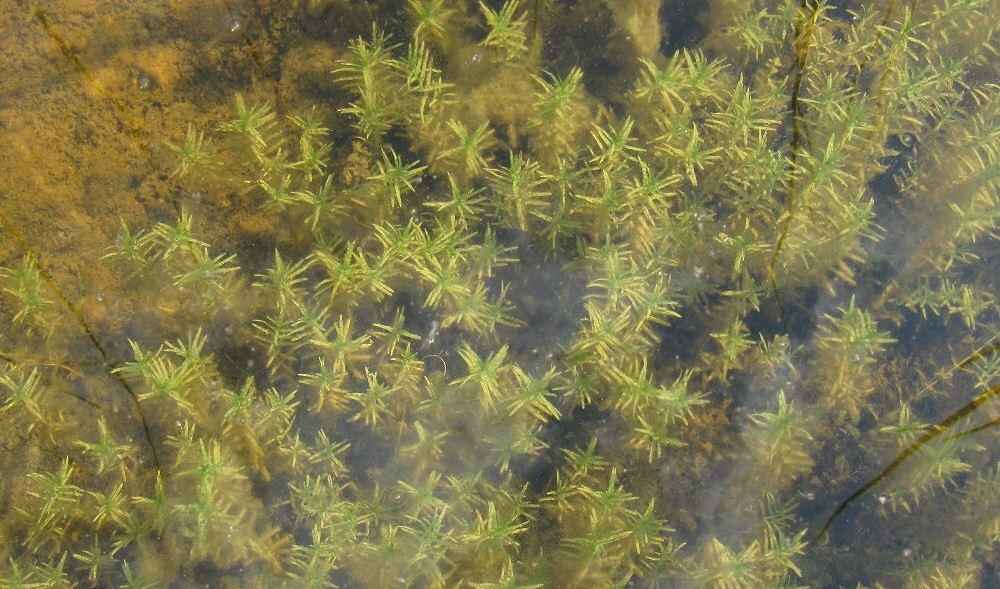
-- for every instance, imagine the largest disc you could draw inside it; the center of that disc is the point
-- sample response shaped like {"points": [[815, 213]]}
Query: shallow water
{"points": [[668, 354]]}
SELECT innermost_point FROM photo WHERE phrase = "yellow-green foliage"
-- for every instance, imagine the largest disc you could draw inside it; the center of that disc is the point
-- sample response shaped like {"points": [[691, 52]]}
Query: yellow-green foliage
{"points": [[545, 339]]}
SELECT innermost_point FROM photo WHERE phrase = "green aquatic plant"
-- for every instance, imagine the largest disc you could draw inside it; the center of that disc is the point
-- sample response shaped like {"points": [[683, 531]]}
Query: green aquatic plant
{"points": [[469, 149], [28, 290], [431, 18], [252, 126], [500, 329], [193, 152], [506, 29]]}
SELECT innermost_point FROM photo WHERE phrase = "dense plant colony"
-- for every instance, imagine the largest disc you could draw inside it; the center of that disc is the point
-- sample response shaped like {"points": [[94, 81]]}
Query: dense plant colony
{"points": [[514, 333]]}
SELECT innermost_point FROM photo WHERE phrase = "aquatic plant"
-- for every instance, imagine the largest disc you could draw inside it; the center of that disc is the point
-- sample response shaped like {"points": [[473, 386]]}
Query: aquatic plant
{"points": [[545, 338]]}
